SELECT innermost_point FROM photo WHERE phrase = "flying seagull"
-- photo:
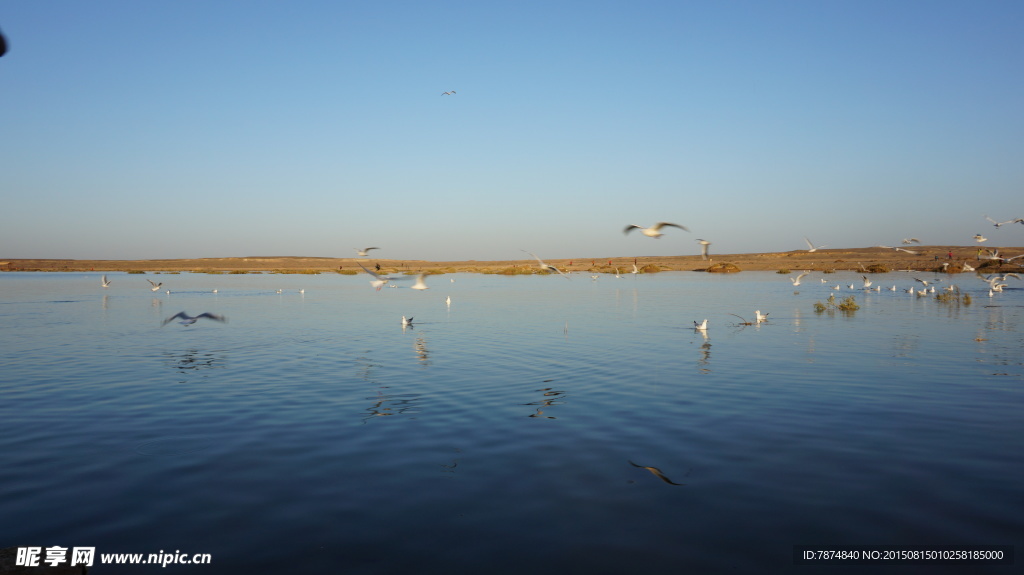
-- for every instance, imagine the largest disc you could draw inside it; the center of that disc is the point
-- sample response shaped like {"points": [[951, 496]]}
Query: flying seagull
{"points": [[420, 284], [911, 241], [156, 286], [997, 224], [363, 251], [380, 280], [106, 283], [980, 238], [703, 248], [547, 267], [912, 252], [448, 93], [811, 248], [796, 280], [653, 231], [189, 320]]}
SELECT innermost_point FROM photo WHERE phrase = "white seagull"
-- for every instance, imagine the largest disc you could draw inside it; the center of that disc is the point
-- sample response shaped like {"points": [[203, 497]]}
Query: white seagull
{"points": [[796, 280], [546, 267], [636, 270], [980, 238], [703, 248], [380, 280], [703, 326], [997, 224], [912, 252], [363, 251], [811, 248], [420, 284], [156, 286], [106, 283], [189, 320], [867, 282], [406, 322], [760, 317], [911, 241], [653, 231]]}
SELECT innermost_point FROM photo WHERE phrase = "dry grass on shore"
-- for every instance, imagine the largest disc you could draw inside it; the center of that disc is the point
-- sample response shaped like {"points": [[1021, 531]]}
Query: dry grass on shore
{"points": [[858, 259]]}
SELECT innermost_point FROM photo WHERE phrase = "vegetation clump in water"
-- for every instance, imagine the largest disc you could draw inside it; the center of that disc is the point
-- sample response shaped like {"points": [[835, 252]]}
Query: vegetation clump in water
{"points": [[849, 304], [720, 268], [954, 297]]}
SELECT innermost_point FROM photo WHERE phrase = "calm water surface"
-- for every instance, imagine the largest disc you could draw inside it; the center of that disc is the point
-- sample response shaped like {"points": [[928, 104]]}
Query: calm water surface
{"points": [[503, 433]]}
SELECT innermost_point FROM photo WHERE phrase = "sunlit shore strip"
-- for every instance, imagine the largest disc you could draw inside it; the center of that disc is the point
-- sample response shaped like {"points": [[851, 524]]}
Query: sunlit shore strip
{"points": [[855, 259]]}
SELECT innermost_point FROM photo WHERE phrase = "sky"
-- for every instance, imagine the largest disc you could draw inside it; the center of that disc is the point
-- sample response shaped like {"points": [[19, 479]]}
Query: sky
{"points": [[206, 128]]}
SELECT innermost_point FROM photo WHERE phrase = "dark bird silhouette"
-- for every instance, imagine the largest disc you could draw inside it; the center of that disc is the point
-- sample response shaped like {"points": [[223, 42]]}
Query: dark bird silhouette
{"points": [[189, 320]]}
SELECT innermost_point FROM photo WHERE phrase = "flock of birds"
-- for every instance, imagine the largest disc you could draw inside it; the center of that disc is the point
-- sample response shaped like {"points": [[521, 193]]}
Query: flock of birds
{"points": [[996, 282]]}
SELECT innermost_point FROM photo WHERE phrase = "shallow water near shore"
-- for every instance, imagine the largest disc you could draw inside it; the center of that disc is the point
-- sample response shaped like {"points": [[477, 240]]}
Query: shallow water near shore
{"points": [[511, 431]]}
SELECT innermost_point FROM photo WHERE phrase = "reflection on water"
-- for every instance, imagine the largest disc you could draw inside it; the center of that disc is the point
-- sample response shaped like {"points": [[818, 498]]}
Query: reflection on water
{"points": [[906, 429], [173, 445], [387, 405], [657, 473], [194, 359], [420, 347], [551, 398]]}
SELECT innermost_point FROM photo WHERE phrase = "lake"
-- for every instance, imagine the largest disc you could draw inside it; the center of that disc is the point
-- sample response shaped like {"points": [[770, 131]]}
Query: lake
{"points": [[536, 424]]}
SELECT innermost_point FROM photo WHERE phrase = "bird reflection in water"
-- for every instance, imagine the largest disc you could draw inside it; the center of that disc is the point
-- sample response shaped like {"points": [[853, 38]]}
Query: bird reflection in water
{"points": [[193, 360], [450, 467], [552, 397], [705, 354], [385, 405], [657, 473], [420, 347]]}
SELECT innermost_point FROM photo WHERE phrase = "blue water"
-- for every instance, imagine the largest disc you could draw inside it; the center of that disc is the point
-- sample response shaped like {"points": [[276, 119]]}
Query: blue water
{"points": [[311, 433]]}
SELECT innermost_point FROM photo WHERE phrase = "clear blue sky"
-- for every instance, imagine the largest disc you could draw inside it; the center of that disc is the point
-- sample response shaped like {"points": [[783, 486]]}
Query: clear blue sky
{"points": [[206, 128]]}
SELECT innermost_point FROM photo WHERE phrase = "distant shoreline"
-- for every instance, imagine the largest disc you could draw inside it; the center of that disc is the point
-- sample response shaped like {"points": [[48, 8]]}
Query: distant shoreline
{"points": [[927, 258]]}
